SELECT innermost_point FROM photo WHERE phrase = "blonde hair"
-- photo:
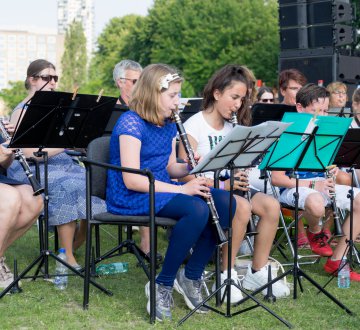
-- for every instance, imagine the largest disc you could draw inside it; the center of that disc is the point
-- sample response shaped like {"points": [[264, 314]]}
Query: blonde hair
{"points": [[145, 99], [333, 87]]}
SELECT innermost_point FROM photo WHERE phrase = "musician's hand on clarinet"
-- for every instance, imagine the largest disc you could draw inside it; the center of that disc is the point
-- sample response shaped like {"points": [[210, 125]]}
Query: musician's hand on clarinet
{"points": [[325, 186], [241, 181], [197, 186]]}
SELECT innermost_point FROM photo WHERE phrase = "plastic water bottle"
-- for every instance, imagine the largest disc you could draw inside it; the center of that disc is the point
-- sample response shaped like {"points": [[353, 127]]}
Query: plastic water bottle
{"points": [[113, 268], [344, 275], [61, 278]]}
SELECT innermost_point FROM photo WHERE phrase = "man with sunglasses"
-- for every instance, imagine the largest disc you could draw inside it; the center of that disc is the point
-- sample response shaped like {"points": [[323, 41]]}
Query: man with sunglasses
{"points": [[125, 74]]}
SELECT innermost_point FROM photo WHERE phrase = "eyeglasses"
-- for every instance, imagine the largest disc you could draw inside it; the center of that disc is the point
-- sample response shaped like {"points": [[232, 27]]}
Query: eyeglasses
{"points": [[295, 89], [132, 80], [339, 92], [48, 78], [267, 100]]}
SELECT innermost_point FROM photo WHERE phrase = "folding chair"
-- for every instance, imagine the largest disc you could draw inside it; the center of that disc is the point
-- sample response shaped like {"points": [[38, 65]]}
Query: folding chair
{"points": [[97, 164]]}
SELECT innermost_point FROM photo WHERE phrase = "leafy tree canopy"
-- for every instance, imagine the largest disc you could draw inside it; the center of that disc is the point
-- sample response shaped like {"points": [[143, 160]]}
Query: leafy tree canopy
{"points": [[73, 61]]}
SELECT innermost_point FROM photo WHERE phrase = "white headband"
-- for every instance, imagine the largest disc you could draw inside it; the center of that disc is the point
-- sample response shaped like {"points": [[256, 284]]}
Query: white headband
{"points": [[167, 79]]}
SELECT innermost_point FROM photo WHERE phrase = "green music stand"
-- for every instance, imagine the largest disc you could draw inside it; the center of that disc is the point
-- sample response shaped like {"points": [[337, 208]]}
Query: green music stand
{"points": [[309, 144]]}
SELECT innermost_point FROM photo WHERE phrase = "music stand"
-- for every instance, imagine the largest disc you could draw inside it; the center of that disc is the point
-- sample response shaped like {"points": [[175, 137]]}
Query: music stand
{"points": [[310, 144], [349, 156], [59, 120], [241, 148], [263, 112], [188, 107]]}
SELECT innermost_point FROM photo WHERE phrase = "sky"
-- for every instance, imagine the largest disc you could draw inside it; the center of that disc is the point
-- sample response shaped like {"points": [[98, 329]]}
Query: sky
{"points": [[42, 13]]}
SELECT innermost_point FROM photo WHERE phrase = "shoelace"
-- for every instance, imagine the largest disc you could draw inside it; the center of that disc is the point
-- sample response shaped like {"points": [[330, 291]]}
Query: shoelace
{"points": [[319, 238], [166, 297], [197, 284]]}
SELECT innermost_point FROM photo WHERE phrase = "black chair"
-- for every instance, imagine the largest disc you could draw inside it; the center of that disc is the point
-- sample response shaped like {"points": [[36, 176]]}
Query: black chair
{"points": [[97, 164]]}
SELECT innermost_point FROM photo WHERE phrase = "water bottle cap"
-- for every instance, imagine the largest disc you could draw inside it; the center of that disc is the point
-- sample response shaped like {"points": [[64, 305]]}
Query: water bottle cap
{"points": [[62, 250]]}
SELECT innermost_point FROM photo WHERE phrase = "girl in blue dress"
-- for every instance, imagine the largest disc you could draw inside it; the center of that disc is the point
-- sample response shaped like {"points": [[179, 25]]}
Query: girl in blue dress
{"points": [[145, 137]]}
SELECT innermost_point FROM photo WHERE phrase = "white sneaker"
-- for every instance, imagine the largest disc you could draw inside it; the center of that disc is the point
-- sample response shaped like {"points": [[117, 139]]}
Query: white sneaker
{"points": [[236, 294], [252, 281]]}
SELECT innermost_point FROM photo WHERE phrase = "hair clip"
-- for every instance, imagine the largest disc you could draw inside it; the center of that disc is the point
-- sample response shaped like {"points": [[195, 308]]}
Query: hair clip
{"points": [[167, 79]]}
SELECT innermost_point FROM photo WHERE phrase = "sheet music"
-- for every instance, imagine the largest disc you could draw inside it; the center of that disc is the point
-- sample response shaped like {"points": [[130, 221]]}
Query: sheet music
{"points": [[250, 142]]}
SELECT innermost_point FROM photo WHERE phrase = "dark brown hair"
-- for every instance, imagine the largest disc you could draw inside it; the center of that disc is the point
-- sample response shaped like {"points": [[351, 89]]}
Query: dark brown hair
{"points": [[291, 74], [309, 93], [221, 80], [35, 68]]}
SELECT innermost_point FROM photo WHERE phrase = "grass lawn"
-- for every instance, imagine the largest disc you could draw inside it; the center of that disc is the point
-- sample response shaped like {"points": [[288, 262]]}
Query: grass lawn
{"points": [[41, 306]]}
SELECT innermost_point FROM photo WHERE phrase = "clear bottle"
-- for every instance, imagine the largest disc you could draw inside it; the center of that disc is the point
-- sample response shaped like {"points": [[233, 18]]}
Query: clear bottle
{"points": [[61, 278], [344, 274], [112, 268]]}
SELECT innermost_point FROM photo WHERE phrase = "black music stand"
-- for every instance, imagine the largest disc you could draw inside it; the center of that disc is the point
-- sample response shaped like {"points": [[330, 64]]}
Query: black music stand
{"points": [[307, 145], [349, 156], [263, 112], [58, 120], [241, 148]]}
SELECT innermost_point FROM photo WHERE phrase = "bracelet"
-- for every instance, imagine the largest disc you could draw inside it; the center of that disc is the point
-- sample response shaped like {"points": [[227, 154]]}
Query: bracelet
{"points": [[222, 185]]}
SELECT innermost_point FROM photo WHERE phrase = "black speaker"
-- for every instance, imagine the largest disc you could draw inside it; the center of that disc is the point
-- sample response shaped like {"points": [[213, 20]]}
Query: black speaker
{"points": [[315, 23], [316, 36], [329, 68], [312, 12]]}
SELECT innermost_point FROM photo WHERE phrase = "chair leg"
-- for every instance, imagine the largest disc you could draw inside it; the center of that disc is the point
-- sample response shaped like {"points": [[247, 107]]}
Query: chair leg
{"points": [[97, 241], [87, 266]]}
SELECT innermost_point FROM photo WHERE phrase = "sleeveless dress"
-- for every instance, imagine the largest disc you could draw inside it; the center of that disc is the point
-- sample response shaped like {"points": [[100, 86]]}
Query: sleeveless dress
{"points": [[67, 188], [156, 146]]}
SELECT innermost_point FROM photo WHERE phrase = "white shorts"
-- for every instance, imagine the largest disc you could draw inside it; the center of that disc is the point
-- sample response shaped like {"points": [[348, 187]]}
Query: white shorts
{"points": [[342, 201]]}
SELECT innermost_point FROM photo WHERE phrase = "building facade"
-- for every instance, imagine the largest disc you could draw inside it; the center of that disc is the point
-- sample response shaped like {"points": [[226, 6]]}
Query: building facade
{"points": [[81, 11], [20, 47]]}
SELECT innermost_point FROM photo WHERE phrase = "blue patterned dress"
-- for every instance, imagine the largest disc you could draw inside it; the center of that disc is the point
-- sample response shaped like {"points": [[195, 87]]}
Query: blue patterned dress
{"points": [[156, 144], [67, 187]]}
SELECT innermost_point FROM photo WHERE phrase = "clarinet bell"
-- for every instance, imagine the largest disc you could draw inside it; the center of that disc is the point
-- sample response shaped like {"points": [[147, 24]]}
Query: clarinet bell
{"points": [[338, 228], [16, 288], [270, 296]]}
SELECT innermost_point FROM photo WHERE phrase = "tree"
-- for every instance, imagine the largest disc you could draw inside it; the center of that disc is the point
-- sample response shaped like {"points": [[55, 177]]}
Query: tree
{"points": [[74, 59], [14, 94], [109, 52], [198, 37]]}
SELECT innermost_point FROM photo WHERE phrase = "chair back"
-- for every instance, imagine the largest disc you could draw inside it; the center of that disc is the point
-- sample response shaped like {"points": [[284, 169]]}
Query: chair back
{"points": [[99, 150]]}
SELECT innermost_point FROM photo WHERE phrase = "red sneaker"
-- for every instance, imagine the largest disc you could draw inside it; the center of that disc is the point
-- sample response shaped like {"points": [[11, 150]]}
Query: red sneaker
{"points": [[331, 266], [318, 244], [302, 241], [327, 233]]}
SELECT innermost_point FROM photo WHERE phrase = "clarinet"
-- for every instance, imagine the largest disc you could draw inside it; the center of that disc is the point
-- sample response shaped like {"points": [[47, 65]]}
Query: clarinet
{"points": [[251, 227], [338, 228], [19, 156], [209, 200]]}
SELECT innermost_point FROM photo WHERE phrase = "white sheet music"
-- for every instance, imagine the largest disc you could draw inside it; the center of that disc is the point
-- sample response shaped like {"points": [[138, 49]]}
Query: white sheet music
{"points": [[250, 141]]}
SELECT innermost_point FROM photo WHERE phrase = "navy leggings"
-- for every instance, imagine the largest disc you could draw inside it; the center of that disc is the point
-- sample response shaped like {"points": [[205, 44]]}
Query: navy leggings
{"points": [[193, 229]]}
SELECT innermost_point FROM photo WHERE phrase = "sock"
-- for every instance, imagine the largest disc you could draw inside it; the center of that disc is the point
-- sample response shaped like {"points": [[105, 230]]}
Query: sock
{"points": [[318, 232]]}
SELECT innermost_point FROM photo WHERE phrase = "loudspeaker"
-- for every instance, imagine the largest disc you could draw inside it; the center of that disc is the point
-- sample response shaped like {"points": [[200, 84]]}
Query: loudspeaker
{"points": [[312, 12], [315, 24], [329, 68], [317, 36]]}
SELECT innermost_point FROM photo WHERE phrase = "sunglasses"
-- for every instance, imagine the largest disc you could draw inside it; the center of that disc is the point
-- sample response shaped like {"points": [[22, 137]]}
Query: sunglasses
{"points": [[132, 80], [48, 78], [267, 100]]}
